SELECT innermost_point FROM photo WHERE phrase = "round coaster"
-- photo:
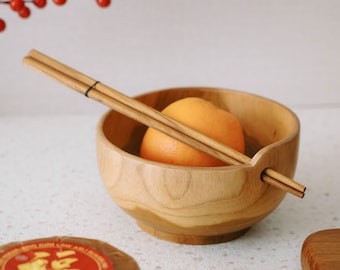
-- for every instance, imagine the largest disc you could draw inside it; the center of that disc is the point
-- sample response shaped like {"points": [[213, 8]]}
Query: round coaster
{"points": [[321, 250], [64, 253]]}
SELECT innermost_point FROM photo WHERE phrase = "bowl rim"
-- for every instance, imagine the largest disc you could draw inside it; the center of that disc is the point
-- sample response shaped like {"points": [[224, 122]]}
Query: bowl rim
{"points": [[254, 158]]}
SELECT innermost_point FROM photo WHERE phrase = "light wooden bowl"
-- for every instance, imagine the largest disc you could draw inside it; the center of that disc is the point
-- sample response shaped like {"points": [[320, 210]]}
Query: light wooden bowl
{"points": [[199, 205]]}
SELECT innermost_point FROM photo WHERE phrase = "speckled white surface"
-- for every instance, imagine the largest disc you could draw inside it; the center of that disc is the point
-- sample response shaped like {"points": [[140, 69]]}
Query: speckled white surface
{"points": [[50, 185]]}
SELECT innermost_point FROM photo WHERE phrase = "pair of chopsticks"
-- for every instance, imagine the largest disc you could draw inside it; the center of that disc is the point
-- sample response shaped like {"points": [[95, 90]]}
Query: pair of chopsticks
{"points": [[152, 118]]}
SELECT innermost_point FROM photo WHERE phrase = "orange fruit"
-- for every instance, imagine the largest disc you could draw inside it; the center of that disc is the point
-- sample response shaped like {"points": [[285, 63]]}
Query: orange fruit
{"points": [[203, 116]]}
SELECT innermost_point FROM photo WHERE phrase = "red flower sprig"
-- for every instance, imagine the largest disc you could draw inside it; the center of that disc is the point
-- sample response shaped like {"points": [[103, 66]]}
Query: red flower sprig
{"points": [[20, 6]]}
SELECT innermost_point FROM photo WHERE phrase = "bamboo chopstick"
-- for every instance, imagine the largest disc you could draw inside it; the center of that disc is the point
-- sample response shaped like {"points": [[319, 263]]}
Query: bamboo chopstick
{"points": [[152, 118]]}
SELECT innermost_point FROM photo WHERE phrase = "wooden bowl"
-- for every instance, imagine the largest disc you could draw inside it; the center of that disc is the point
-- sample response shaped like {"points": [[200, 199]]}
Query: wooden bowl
{"points": [[199, 205]]}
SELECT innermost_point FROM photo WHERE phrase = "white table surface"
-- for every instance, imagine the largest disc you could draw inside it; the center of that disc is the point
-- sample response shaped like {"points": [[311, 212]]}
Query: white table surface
{"points": [[50, 186], [49, 182]]}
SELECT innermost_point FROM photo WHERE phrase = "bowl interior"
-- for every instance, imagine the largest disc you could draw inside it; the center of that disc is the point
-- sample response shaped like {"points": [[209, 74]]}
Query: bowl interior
{"points": [[264, 121]]}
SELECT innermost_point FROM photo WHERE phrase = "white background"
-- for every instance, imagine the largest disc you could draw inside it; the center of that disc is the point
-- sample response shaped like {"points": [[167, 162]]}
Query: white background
{"points": [[286, 50]]}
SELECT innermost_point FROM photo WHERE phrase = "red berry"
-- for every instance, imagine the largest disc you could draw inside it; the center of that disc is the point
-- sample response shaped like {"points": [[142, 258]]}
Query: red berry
{"points": [[40, 3], [24, 12], [103, 3], [59, 2], [16, 5], [2, 25]]}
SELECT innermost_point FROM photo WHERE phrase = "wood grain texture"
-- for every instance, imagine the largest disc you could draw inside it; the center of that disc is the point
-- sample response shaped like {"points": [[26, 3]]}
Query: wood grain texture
{"points": [[206, 205], [321, 250]]}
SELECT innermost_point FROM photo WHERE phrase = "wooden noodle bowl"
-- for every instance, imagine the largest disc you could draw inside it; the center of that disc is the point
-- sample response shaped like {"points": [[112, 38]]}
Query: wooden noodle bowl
{"points": [[196, 205]]}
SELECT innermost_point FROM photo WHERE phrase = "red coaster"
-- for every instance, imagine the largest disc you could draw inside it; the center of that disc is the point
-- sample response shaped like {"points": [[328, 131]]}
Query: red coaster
{"points": [[64, 253]]}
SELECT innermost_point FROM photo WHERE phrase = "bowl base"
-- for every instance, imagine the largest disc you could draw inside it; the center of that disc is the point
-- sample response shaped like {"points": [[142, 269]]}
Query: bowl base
{"points": [[192, 239]]}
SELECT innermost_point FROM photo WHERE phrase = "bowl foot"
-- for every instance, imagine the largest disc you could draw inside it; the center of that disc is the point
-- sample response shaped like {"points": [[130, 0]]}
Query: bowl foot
{"points": [[192, 239]]}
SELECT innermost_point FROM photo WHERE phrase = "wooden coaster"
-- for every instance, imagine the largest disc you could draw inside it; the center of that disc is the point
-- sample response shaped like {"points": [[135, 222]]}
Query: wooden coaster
{"points": [[321, 250], [64, 253]]}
